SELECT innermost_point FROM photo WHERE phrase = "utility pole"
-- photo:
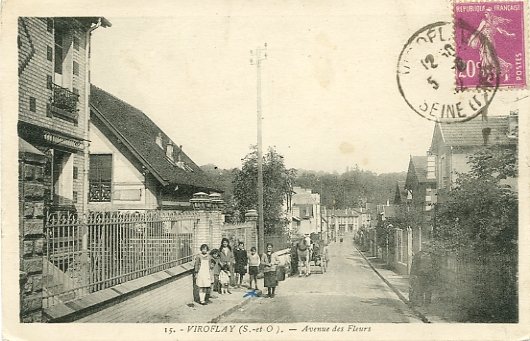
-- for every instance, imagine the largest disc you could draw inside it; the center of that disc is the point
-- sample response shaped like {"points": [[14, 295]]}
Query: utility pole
{"points": [[261, 223]]}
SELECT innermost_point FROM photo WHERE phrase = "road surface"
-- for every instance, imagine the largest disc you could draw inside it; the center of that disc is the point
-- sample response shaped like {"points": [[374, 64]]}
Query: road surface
{"points": [[350, 291]]}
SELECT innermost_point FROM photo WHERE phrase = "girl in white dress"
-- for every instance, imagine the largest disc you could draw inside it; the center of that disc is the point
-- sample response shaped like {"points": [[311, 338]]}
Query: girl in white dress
{"points": [[202, 273]]}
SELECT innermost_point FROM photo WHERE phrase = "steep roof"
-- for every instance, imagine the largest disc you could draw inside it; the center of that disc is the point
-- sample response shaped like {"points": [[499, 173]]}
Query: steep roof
{"points": [[138, 133], [470, 133], [417, 172], [420, 167], [302, 197], [401, 192]]}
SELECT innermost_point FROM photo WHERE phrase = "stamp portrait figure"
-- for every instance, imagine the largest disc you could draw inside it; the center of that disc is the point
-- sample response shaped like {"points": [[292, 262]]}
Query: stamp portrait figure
{"points": [[484, 35]]}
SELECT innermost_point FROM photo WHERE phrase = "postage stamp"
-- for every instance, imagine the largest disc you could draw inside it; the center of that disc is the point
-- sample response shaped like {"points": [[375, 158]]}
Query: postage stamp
{"points": [[490, 45], [426, 70]]}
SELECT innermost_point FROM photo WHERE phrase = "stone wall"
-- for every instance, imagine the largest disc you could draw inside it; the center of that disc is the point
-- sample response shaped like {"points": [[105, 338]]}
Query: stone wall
{"points": [[31, 234]]}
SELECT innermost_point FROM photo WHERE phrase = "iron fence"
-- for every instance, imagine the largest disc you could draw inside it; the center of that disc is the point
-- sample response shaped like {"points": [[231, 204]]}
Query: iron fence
{"points": [[280, 241], [244, 233], [88, 253]]}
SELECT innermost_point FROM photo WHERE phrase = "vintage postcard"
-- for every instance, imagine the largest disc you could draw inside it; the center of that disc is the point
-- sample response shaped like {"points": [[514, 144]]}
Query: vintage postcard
{"points": [[265, 170]]}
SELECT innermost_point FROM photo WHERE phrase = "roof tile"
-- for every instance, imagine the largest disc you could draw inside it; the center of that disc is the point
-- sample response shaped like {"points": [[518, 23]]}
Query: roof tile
{"points": [[140, 132]]}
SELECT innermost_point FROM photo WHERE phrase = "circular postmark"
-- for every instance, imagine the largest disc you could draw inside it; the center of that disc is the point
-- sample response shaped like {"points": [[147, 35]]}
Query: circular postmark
{"points": [[426, 76]]}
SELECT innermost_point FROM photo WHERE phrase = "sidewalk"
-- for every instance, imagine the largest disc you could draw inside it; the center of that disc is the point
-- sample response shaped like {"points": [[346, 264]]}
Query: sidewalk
{"points": [[437, 312], [220, 306]]}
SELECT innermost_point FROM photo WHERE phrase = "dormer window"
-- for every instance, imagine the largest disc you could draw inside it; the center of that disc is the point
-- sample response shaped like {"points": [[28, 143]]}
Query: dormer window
{"points": [[169, 151], [159, 140]]}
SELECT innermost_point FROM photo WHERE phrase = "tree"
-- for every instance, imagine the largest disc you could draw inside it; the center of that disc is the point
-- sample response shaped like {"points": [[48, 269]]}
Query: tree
{"points": [[352, 188], [482, 213], [223, 179], [277, 187], [480, 224]]}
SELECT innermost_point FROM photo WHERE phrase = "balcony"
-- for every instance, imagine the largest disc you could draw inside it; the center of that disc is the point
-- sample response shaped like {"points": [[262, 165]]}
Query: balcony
{"points": [[64, 103]]}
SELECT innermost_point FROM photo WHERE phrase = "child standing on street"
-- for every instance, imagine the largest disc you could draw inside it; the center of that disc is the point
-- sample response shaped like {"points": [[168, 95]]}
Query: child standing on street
{"points": [[216, 263], [241, 258], [224, 279], [202, 273], [253, 267]]}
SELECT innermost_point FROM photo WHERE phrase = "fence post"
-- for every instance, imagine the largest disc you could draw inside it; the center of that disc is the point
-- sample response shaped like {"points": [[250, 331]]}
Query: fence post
{"points": [[409, 249], [252, 217], [398, 242], [85, 266]]}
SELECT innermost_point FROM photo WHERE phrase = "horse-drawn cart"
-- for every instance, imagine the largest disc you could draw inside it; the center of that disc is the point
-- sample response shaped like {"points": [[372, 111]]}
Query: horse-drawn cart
{"points": [[319, 257]]}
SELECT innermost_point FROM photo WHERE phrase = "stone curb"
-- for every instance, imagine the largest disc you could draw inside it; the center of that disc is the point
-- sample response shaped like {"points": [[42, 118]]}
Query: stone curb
{"points": [[230, 311], [100, 300], [398, 293]]}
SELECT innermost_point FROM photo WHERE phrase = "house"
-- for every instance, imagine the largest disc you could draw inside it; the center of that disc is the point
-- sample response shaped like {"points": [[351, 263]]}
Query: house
{"points": [[53, 114], [400, 194], [342, 222], [53, 60], [420, 187], [453, 143], [134, 165], [306, 211]]}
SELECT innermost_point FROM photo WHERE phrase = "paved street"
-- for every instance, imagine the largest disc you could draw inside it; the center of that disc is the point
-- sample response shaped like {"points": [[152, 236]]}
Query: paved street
{"points": [[350, 291]]}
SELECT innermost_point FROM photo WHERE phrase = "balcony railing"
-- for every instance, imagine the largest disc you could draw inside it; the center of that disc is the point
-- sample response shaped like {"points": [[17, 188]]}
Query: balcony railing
{"points": [[64, 102], [100, 191]]}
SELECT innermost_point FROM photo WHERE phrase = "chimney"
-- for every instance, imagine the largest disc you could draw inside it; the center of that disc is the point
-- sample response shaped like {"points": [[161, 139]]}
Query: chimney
{"points": [[180, 163], [178, 155]]}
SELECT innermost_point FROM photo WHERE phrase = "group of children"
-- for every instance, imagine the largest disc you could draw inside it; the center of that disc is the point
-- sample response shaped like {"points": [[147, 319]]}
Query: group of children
{"points": [[221, 267]]}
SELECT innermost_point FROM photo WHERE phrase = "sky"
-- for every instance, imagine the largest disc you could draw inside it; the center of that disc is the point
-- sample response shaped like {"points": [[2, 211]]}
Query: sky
{"points": [[329, 93]]}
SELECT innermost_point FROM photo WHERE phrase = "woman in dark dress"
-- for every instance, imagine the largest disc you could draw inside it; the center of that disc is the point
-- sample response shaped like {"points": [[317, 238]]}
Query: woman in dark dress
{"points": [[241, 258]]}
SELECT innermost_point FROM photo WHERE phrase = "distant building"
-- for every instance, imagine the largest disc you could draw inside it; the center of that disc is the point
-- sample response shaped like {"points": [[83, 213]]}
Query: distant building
{"points": [[134, 165], [306, 211], [342, 222]]}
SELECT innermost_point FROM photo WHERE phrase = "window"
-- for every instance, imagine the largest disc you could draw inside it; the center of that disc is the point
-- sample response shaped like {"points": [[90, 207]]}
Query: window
{"points": [[49, 81], [59, 56], [49, 53], [431, 167], [100, 178], [62, 178], [49, 25], [32, 104], [169, 151], [159, 140], [441, 172], [76, 68], [76, 172]]}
